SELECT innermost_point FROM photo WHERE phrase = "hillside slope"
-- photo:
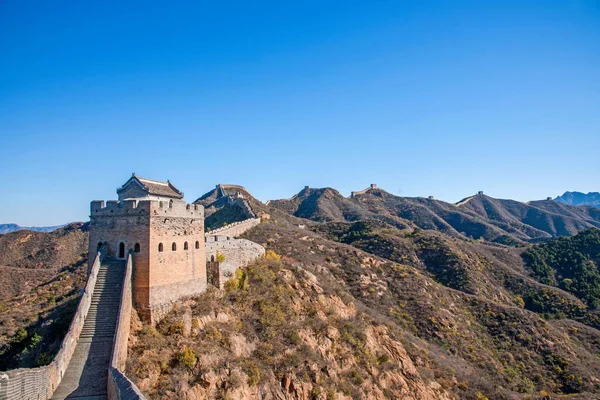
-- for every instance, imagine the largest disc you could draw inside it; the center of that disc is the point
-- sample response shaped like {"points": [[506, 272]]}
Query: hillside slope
{"points": [[469, 304], [534, 220], [570, 263], [376, 313], [277, 332], [40, 250], [41, 277]]}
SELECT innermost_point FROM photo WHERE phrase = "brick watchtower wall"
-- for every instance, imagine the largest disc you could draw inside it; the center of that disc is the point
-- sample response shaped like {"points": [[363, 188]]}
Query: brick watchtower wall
{"points": [[167, 240]]}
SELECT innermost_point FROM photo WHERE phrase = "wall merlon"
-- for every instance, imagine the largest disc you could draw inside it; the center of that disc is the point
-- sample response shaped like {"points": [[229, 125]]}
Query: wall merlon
{"points": [[174, 208], [235, 228], [114, 207], [177, 209]]}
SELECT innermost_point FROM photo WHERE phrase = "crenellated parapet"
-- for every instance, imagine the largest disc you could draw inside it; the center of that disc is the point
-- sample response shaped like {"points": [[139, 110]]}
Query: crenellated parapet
{"points": [[359, 192], [235, 228], [172, 208]]}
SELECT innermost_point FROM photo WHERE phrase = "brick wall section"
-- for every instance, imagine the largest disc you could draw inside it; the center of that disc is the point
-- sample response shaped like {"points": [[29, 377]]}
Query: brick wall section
{"points": [[372, 186], [40, 383], [119, 386], [238, 253], [214, 276], [174, 274], [119, 355], [236, 228]]}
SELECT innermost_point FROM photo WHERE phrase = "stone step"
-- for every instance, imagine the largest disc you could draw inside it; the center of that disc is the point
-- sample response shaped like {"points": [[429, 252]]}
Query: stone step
{"points": [[87, 373], [98, 328], [105, 322], [109, 329], [94, 314]]}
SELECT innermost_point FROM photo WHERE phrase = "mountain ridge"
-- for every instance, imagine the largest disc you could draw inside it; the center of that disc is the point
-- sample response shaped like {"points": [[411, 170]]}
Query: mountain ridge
{"points": [[477, 217], [579, 198], [10, 227]]}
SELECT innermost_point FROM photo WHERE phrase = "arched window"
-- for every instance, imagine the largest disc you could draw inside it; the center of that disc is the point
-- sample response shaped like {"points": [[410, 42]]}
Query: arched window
{"points": [[185, 246], [136, 248], [174, 247], [212, 258], [197, 244], [160, 247], [99, 245], [121, 250]]}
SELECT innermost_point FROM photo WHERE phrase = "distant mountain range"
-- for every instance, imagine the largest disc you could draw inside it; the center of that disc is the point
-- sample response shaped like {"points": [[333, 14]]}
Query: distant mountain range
{"points": [[7, 228], [580, 199], [477, 217]]}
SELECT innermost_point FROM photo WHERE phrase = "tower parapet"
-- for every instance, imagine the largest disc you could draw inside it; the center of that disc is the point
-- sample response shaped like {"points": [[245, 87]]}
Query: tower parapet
{"points": [[172, 208]]}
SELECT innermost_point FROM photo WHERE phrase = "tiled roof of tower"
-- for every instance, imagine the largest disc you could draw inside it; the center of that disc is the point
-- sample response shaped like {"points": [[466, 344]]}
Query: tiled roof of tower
{"points": [[154, 188]]}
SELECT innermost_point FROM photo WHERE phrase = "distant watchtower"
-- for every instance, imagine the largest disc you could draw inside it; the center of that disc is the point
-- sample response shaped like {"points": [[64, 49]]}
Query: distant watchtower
{"points": [[165, 236]]}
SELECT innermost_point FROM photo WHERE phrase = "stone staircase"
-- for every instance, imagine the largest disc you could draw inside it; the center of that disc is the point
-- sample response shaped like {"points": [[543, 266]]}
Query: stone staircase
{"points": [[87, 373]]}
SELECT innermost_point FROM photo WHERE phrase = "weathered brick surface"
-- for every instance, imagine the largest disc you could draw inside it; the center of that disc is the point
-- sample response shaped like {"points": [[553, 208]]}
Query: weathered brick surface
{"points": [[213, 272], [237, 253]]}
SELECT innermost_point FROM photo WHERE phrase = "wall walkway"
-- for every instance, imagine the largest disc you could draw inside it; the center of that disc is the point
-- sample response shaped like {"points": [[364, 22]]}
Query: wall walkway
{"points": [[40, 383], [235, 229]]}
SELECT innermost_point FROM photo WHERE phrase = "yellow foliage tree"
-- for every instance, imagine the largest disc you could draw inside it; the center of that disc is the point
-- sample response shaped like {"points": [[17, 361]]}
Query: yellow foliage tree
{"points": [[272, 256]]}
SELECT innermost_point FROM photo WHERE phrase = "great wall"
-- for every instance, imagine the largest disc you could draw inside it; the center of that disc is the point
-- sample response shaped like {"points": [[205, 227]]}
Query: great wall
{"points": [[149, 228]]}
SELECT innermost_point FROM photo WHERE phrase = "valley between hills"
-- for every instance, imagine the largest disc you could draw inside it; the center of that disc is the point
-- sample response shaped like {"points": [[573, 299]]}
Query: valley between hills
{"points": [[371, 296]]}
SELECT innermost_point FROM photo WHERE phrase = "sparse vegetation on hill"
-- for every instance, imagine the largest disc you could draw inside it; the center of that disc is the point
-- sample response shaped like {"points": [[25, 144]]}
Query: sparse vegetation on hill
{"points": [[41, 277], [569, 263], [535, 220], [495, 346], [278, 331]]}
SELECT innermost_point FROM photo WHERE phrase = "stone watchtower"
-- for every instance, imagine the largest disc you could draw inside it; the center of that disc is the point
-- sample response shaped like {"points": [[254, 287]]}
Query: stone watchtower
{"points": [[165, 236]]}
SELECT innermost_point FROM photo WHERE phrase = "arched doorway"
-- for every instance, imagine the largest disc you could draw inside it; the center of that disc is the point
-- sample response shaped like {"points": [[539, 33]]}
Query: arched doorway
{"points": [[121, 250]]}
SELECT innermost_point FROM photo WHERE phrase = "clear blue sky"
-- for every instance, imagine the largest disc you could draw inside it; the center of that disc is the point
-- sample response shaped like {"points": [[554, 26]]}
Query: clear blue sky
{"points": [[424, 98]]}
